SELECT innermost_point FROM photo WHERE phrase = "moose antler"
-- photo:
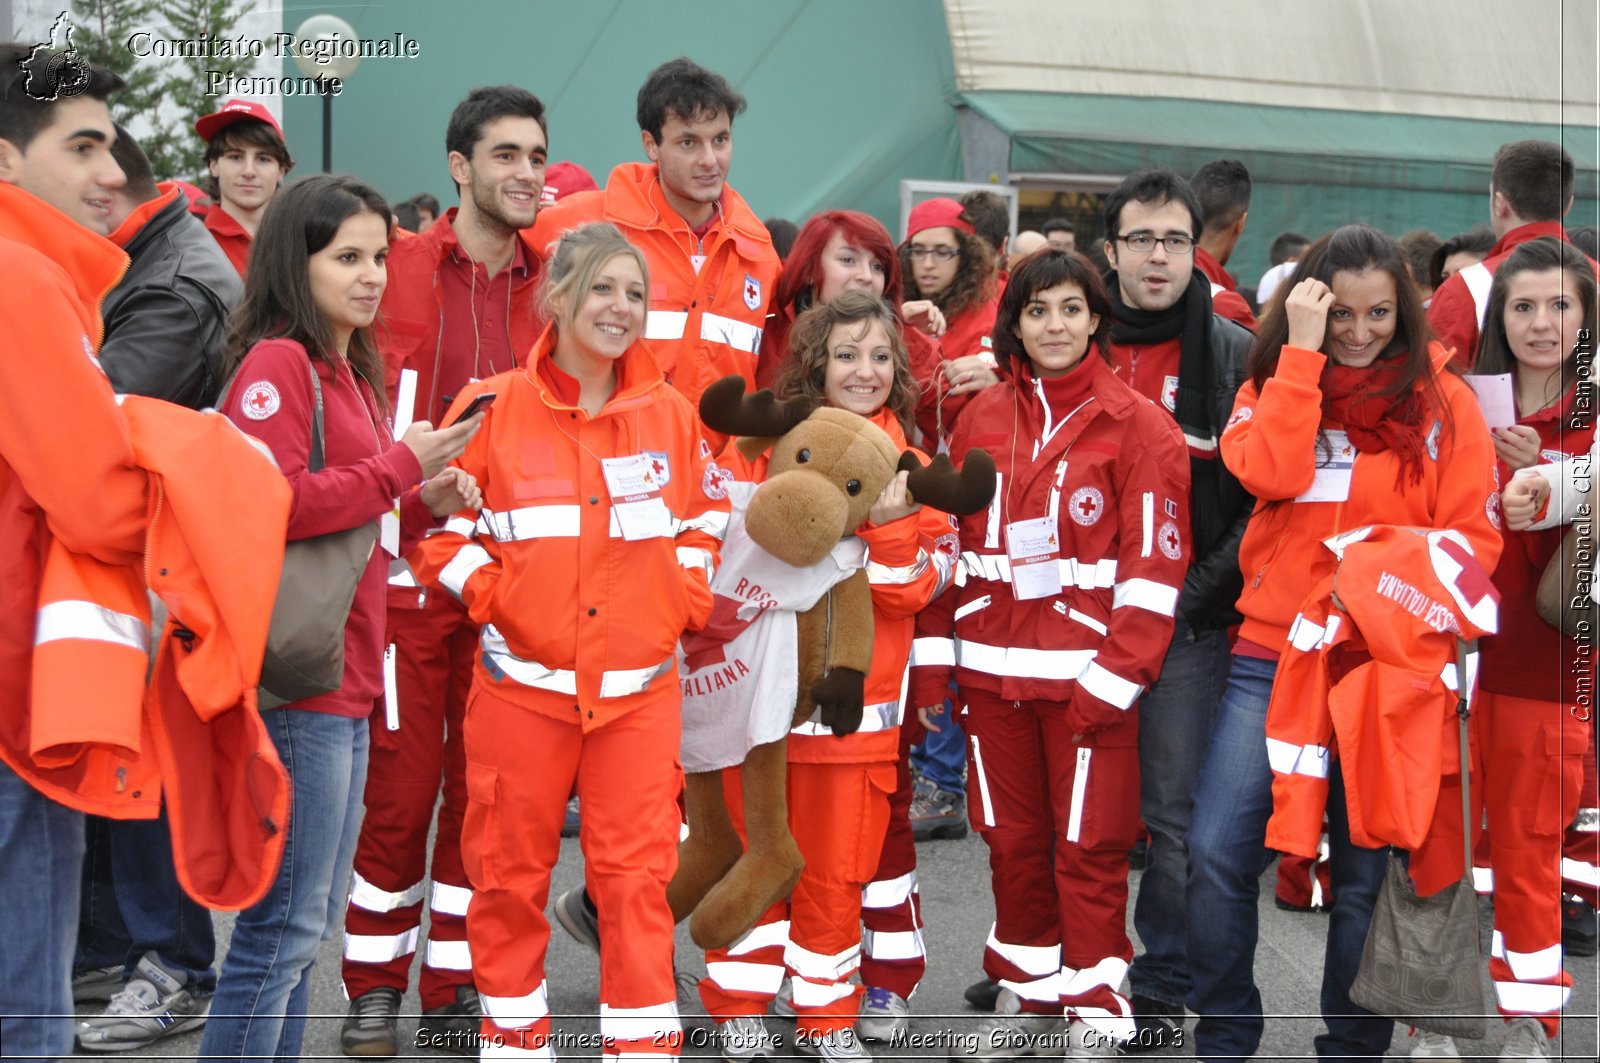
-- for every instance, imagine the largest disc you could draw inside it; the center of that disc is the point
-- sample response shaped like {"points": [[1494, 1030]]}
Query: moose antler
{"points": [[725, 408], [939, 485]]}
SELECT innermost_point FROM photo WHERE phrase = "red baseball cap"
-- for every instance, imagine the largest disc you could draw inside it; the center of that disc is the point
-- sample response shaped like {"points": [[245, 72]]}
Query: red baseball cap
{"points": [[235, 110], [932, 213], [562, 179]]}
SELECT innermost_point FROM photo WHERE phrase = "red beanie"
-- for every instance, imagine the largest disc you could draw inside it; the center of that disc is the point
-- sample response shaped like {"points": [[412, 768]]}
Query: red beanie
{"points": [[932, 213]]}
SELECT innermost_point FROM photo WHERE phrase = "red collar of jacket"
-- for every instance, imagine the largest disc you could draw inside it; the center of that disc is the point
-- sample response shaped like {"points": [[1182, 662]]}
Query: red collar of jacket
{"points": [[222, 223], [1523, 233], [1115, 397], [634, 197], [1207, 263], [440, 241], [92, 263], [637, 375], [135, 222]]}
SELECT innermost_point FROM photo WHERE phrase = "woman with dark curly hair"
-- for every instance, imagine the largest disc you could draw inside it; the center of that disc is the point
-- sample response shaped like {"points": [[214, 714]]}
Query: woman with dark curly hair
{"points": [[950, 269]]}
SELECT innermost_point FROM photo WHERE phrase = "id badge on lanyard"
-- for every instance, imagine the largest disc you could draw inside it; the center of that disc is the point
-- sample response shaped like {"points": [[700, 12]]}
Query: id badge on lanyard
{"points": [[1332, 481], [636, 498], [1034, 547]]}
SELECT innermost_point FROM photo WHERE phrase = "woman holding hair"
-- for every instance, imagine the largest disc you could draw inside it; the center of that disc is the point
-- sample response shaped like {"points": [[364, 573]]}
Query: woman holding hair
{"points": [[316, 276], [1345, 337], [1071, 581], [1532, 731], [948, 266], [601, 524], [845, 353]]}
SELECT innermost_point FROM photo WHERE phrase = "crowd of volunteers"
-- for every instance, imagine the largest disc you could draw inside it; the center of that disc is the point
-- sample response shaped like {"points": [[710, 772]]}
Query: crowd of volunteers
{"points": [[1162, 649]]}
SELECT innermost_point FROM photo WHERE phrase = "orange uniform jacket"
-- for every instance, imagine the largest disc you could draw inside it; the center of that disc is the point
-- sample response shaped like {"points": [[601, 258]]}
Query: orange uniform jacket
{"points": [[579, 622], [703, 325], [1369, 676], [909, 563], [411, 319], [98, 740], [1270, 444]]}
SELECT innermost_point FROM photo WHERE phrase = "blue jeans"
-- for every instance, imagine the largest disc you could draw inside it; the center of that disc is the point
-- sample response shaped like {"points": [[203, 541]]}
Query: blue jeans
{"points": [[1175, 718], [942, 757], [132, 904], [1227, 855], [41, 861], [259, 1011]]}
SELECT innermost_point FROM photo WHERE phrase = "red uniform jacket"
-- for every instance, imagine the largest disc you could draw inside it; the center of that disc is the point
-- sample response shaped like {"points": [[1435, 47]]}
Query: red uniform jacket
{"points": [[1111, 473], [1225, 297], [704, 323], [232, 237], [365, 473], [1456, 312], [411, 319], [1271, 445], [1529, 658], [580, 622]]}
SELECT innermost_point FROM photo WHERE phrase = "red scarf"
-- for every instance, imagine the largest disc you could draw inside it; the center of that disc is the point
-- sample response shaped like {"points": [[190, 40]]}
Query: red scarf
{"points": [[1374, 418]]}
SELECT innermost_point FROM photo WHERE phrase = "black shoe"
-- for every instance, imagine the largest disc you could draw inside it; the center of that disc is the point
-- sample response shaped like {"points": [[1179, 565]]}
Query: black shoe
{"points": [[1156, 1024], [982, 995], [1301, 908], [370, 1028], [1578, 934], [455, 1026]]}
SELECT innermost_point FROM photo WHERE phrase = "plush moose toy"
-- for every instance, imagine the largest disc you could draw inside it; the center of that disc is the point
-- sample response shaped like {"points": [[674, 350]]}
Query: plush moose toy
{"points": [[789, 562]]}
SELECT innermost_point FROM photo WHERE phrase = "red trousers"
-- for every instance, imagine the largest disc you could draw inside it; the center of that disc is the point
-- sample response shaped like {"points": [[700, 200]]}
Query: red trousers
{"points": [[838, 814], [434, 648], [1059, 819], [521, 766], [892, 953], [1532, 754], [1580, 853]]}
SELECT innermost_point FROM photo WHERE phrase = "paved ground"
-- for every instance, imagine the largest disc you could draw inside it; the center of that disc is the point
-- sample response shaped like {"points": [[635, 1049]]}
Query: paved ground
{"points": [[958, 911]]}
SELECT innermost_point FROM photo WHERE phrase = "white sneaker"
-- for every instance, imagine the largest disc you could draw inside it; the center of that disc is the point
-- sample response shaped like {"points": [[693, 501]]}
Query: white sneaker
{"points": [[1427, 1045], [151, 1006], [884, 1014], [1011, 1032], [746, 1037], [838, 1044], [1525, 1041]]}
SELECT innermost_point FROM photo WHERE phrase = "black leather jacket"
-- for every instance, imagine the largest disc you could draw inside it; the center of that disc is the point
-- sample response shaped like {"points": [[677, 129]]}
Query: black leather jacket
{"points": [[167, 319], [1219, 506]]}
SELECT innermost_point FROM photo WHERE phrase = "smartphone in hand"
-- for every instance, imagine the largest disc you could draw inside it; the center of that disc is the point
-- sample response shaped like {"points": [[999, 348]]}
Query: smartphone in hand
{"points": [[480, 402]]}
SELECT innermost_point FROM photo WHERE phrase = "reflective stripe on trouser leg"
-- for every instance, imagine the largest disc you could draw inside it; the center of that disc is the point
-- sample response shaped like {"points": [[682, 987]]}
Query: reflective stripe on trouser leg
{"points": [[891, 903], [743, 979]]}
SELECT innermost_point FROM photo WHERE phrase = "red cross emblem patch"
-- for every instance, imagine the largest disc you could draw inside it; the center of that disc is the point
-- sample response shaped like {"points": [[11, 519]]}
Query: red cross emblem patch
{"points": [[752, 292], [1167, 539], [260, 401], [1086, 505]]}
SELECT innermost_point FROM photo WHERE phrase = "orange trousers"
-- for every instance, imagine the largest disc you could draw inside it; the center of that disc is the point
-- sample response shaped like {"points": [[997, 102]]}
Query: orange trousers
{"points": [[521, 767], [838, 814]]}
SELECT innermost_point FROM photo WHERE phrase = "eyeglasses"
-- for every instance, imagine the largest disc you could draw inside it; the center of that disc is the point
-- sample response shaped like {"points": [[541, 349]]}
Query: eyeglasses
{"points": [[943, 254], [1175, 243]]}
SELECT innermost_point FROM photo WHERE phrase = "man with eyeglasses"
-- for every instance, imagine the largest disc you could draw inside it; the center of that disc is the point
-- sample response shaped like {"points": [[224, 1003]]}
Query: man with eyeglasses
{"points": [[1170, 346]]}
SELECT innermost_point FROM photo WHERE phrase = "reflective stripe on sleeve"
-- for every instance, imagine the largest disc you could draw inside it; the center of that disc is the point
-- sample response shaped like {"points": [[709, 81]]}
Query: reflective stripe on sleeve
{"points": [[931, 651], [1286, 758], [1109, 687], [893, 575], [692, 557], [468, 560], [92, 622], [1146, 594], [884, 716]]}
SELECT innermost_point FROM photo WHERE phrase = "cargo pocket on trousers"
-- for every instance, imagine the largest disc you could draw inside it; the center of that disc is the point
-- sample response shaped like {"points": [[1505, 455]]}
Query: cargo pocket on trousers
{"points": [[1566, 740], [480, 826]]}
